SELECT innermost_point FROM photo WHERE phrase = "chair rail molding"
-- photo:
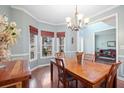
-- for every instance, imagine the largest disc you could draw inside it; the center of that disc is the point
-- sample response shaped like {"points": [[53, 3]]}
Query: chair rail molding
{"points": [[21, 54]]}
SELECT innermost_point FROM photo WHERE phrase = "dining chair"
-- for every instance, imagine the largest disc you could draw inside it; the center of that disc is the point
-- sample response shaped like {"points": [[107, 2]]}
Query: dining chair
{"points": [[63, 76], [111, 75], [79, 56], [88, 57], [60, 55]]}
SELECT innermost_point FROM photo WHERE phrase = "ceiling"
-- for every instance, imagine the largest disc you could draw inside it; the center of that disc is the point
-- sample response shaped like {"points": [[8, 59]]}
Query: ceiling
{"points": [[56, 14]]}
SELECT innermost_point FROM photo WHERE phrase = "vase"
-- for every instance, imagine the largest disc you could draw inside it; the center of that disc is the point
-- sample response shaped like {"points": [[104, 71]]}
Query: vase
{"points": [[4, 55]]}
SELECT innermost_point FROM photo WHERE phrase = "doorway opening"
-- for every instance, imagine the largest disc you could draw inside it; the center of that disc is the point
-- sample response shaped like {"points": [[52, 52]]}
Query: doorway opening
{"points": [[106, 41]]}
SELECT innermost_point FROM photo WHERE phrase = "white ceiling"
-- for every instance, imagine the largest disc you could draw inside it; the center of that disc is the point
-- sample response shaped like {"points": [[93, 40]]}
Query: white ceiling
{"points": [[56, 14]]}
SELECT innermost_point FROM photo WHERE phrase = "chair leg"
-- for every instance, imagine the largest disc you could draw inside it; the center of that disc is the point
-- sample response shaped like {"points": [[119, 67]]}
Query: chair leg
{"points": [[58, 84], [68, 84], [76, 83]]}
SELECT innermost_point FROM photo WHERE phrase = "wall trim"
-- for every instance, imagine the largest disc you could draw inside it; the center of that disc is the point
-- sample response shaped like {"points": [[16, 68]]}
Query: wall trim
{"points": [[106, 17], [18, 55], [102, 18], [40, 66], [24, 10], [106, 10], [122, 56]]}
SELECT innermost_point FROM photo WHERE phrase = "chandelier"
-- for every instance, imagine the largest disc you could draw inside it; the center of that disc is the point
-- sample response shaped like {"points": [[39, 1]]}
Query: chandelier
{"points": [[77, 21]]}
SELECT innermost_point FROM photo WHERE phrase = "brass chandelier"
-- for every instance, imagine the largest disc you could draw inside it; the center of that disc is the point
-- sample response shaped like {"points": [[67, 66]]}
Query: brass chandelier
{"points": [[77, 21]]}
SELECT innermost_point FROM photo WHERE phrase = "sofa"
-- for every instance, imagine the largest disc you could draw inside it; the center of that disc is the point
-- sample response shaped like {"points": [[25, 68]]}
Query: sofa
{"points": [[107, 54]]}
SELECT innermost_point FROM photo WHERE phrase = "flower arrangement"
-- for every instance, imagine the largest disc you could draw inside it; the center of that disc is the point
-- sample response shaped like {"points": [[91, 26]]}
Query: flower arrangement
{"points": [[8, 35]]}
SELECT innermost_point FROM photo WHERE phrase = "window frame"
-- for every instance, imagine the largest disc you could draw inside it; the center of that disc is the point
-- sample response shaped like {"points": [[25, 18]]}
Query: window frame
{"points": [[58, 44], [41, 47], [36, 56]]}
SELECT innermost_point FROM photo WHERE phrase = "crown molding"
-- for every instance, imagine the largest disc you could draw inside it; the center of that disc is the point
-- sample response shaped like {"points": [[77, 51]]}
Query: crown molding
{"points": [[25, 11], [106, 10], [59, 24]]}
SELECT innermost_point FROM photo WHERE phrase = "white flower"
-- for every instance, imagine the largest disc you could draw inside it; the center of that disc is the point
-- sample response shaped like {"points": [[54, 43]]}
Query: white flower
{"points": [[8, 31], [13, 24], [5, 18], [1, 19], [2, 27]]}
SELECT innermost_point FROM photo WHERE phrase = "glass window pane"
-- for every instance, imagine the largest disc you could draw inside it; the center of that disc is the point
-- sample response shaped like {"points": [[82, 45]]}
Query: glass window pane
{"points": [[33, 46], [46, 46]]}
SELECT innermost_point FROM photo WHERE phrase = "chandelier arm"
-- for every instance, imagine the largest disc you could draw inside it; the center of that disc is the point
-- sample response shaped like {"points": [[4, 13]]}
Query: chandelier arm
{"points": [[76, 9]]}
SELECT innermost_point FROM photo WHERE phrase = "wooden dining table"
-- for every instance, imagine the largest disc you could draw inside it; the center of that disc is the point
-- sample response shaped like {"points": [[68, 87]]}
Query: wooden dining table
{"points": [[90, 74], [15, 74]]}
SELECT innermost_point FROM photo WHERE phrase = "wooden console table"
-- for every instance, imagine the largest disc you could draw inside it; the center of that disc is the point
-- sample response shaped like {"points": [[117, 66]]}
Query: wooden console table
{"points": [[15, 74]]}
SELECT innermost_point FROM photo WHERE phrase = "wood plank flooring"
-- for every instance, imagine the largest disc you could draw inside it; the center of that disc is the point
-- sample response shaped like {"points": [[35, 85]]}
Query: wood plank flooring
{"points": [[41, 79]]}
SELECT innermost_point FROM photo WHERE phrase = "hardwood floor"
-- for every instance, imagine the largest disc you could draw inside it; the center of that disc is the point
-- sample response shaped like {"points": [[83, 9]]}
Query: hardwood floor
{"points": [[41, 79]]}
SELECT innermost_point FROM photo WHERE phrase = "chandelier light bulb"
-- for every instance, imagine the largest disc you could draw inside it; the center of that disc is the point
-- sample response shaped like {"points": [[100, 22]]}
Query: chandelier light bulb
{"points": [[86, 20], [79, 16], [68, 19]]}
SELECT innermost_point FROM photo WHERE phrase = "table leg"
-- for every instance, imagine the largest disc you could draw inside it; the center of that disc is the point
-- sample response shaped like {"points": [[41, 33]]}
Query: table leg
{"points": [[65, 82], [115, 82], [25, 84]]}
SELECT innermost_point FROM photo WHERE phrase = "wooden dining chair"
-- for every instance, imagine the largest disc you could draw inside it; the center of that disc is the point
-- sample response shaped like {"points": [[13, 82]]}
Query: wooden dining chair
{"points": [[60, 55], [63, 76], [79, 56], [111, 75], [88, 57]]}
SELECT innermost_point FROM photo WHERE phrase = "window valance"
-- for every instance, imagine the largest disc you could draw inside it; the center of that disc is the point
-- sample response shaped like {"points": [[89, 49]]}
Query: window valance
{"points": [[60, 34], [33, 30], [47, 34]]}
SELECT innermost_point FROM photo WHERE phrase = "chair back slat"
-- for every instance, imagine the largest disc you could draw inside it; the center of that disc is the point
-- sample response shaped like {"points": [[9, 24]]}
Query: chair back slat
{"points": [[60, 66], [60, 55], [79, 56], [112, 74]]}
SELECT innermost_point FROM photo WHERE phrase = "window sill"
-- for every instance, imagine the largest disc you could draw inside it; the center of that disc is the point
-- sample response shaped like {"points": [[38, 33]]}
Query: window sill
{"points": [[31, 60]]}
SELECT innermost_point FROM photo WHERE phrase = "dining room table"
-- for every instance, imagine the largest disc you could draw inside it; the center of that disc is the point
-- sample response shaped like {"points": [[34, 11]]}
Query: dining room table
{"points": [[90, 74]]}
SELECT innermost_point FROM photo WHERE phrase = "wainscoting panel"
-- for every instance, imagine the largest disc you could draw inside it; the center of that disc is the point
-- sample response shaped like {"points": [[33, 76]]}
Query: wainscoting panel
{"points": [[121, 68]]}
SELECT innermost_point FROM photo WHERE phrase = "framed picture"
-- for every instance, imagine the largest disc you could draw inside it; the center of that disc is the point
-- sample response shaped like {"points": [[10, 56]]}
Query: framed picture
{"points": [[111, 43]]}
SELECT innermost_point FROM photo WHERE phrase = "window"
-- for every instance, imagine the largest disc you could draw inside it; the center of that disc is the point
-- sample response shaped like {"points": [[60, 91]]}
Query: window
{"points": [[47, 44], [60, 41], [61, 44], [33, 43]]}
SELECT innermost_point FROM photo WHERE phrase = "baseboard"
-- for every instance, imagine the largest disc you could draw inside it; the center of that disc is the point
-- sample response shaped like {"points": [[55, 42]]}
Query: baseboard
{"points": [[39, 66]]}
